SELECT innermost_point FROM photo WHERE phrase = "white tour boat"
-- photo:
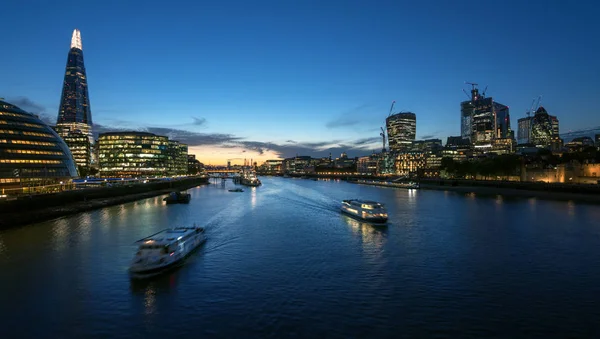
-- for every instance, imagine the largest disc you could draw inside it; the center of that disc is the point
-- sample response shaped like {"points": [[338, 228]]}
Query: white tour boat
{"points": [[367, 210], [165, 249]]}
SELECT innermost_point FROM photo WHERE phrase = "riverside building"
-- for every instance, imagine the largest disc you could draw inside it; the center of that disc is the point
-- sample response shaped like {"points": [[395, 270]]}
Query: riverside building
{"points": [[74, 123], [33, 158], [140, 154], [401, 130]]}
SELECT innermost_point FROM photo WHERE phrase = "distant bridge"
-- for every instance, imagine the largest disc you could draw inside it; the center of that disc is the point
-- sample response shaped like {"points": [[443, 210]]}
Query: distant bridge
{"points": [[222, 171]]}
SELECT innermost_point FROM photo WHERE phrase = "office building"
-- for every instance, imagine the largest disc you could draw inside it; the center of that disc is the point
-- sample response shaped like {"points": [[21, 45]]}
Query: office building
{"points": [[33, 158], [555, 129], [74, 113], [597, 139], [466, 118], [177, 158], [427, 145], [503, 130], [483, 120], [401, 130], [541, 129], [133, 154], [524, 130]]}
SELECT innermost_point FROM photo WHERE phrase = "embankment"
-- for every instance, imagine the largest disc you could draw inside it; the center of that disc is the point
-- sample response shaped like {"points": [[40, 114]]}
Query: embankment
{"points": [[565, 192], [37, 208]]}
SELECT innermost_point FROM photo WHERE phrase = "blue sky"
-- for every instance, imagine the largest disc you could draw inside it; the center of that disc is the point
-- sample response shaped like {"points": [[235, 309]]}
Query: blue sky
{"points": [[263, 79]]}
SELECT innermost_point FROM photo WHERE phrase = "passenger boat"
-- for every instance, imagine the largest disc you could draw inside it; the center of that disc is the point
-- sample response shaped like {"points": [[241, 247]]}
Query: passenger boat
{"points": [[178, 198], [164, 250], [249, 179], [236, 190], [367, 210]]}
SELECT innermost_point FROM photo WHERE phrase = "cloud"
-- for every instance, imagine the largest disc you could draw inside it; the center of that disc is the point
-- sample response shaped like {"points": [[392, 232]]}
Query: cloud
{"points": [[28, 105], [342, 122], [199, 121], [225, 141], [349, 117], [428, 136]]}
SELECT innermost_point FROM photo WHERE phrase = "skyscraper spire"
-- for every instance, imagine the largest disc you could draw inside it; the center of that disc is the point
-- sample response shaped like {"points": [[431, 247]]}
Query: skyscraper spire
{"points": [[74, 123], [76, 39]]}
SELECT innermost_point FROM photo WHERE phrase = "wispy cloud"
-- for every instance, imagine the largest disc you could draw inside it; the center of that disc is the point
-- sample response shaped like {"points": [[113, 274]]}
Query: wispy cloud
{"points": [[350, 117], [28, 105], [229, 141], [199, 121]]}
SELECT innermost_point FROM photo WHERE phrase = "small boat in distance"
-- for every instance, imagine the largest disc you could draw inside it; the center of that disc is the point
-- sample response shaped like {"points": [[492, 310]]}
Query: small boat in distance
{"points": [[178, 198], [236, 190], [367, 210], [165, 249]]}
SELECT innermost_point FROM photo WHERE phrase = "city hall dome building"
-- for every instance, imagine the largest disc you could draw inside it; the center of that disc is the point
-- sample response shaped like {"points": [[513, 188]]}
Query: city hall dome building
{"points": [[33, 158]]}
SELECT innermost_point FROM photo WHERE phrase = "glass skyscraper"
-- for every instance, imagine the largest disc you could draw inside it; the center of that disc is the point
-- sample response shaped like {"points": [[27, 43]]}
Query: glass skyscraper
{"points": [[401, 130], [74, 113]]}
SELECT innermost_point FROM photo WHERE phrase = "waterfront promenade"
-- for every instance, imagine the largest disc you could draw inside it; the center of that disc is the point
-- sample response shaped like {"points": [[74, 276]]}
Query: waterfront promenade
{"points": [[36, 208]]}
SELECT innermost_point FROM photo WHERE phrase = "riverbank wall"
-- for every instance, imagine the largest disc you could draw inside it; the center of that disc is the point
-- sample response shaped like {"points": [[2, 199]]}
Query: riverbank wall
{"points": [[37, 208], [564, 192]]}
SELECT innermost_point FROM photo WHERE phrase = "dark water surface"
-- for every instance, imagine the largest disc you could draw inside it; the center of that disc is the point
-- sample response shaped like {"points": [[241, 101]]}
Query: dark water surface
{"points": [[281, 262]]}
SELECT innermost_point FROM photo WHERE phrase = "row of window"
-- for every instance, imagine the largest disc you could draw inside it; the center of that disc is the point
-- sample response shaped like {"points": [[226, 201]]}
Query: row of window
{"points": [[27, 142], [9, 180], [18, 123], [32, 151], [10, 114], [33, 134], [29, 161]]}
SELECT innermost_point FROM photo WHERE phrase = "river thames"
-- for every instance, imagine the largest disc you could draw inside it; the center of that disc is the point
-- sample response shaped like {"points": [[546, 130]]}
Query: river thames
{"points": [[281, 262]]}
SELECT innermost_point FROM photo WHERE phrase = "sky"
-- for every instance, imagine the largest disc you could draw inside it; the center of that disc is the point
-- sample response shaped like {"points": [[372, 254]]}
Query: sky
{"points": [[271, 79]]}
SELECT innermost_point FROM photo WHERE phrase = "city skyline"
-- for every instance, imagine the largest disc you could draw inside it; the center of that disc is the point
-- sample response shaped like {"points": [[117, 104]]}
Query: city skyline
{"points": [[281, 88]]}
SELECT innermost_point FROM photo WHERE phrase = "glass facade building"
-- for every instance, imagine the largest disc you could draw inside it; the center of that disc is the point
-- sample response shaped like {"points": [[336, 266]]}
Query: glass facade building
{"points": [[466, 117], [503, 130], [74, 113], [140, 154], [132, 154], [177, 158], [33, 158], [524, 130], [483, 122], [541, 129], [401, 130]]}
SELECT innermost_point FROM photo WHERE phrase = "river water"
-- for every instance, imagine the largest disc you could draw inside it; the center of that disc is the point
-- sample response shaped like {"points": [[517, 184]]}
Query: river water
{"points": [[281, 262]]}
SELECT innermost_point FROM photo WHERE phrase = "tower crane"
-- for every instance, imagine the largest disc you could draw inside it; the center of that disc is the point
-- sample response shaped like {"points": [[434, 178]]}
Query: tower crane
{"points": [[392, 107]]}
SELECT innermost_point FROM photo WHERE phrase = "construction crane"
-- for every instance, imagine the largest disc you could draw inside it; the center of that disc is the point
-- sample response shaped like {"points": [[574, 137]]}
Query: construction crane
{"points": [[392, 107], [467, 94], [485, 90], [534, 106], [473, 85], [383, 139], [474, 90]]}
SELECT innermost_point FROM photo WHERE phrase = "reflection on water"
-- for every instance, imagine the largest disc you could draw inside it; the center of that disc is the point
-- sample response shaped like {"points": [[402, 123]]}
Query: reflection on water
{"points": [[2, 247], [371, 235], [253, 197], [571, 208], [412, 195]]}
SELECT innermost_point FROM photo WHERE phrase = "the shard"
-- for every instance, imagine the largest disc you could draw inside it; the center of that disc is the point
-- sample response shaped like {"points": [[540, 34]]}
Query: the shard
{"points": [[74, 123]]}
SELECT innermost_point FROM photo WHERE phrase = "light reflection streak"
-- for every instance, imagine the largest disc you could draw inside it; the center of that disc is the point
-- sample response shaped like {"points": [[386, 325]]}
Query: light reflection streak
{"points": [[532, 204], [60, 234], [372, 236], [2, 247], [150, 300], [85, 227], [571, 208], [412, 195], [253, 197]]}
